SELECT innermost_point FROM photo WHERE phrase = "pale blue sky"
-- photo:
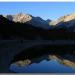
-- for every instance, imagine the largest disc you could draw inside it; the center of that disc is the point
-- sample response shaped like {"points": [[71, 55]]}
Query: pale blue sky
{"points": [[46, 10]]}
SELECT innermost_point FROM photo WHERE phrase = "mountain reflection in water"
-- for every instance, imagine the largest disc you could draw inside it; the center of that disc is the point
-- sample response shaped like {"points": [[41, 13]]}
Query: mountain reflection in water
{"points": [[49, 61]]}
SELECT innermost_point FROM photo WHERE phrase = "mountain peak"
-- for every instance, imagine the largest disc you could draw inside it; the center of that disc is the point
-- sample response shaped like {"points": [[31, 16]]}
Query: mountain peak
{"points": [[22, 18], [68, 17], [27, 18], [64, 18]]}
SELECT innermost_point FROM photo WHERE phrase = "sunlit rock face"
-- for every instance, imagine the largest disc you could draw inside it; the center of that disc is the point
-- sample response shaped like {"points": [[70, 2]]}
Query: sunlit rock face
{"points": [[64, 18], [22, 18], [67, 22], [67, 17], [27, 18]]}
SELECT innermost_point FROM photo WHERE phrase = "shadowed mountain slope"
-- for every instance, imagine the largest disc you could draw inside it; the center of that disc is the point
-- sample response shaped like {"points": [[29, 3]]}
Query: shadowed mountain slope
{"points": [[17, 30]]}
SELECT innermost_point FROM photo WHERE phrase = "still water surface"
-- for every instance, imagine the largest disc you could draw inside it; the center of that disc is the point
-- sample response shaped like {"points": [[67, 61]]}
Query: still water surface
{"points": [[46, 64]]}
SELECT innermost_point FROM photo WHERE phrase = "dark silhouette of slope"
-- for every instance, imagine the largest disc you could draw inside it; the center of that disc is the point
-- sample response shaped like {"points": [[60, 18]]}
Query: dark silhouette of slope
{"points": [[66, 29], [20, 30], [12, 30]]}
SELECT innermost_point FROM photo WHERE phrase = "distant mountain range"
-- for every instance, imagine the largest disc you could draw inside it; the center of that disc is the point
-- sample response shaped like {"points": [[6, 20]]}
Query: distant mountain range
{"points": [[65, 18], [29, 19], [67, 22], [46, 24], [18, 30], [25, 26]]}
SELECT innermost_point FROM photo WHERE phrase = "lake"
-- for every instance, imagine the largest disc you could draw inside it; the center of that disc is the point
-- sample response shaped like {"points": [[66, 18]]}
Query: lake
{"points": [[45, 59], [45, 64]]}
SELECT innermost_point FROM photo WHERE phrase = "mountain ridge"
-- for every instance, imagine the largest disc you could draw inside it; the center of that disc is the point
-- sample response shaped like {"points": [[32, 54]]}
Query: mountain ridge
{"points": [[29, 19]]}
